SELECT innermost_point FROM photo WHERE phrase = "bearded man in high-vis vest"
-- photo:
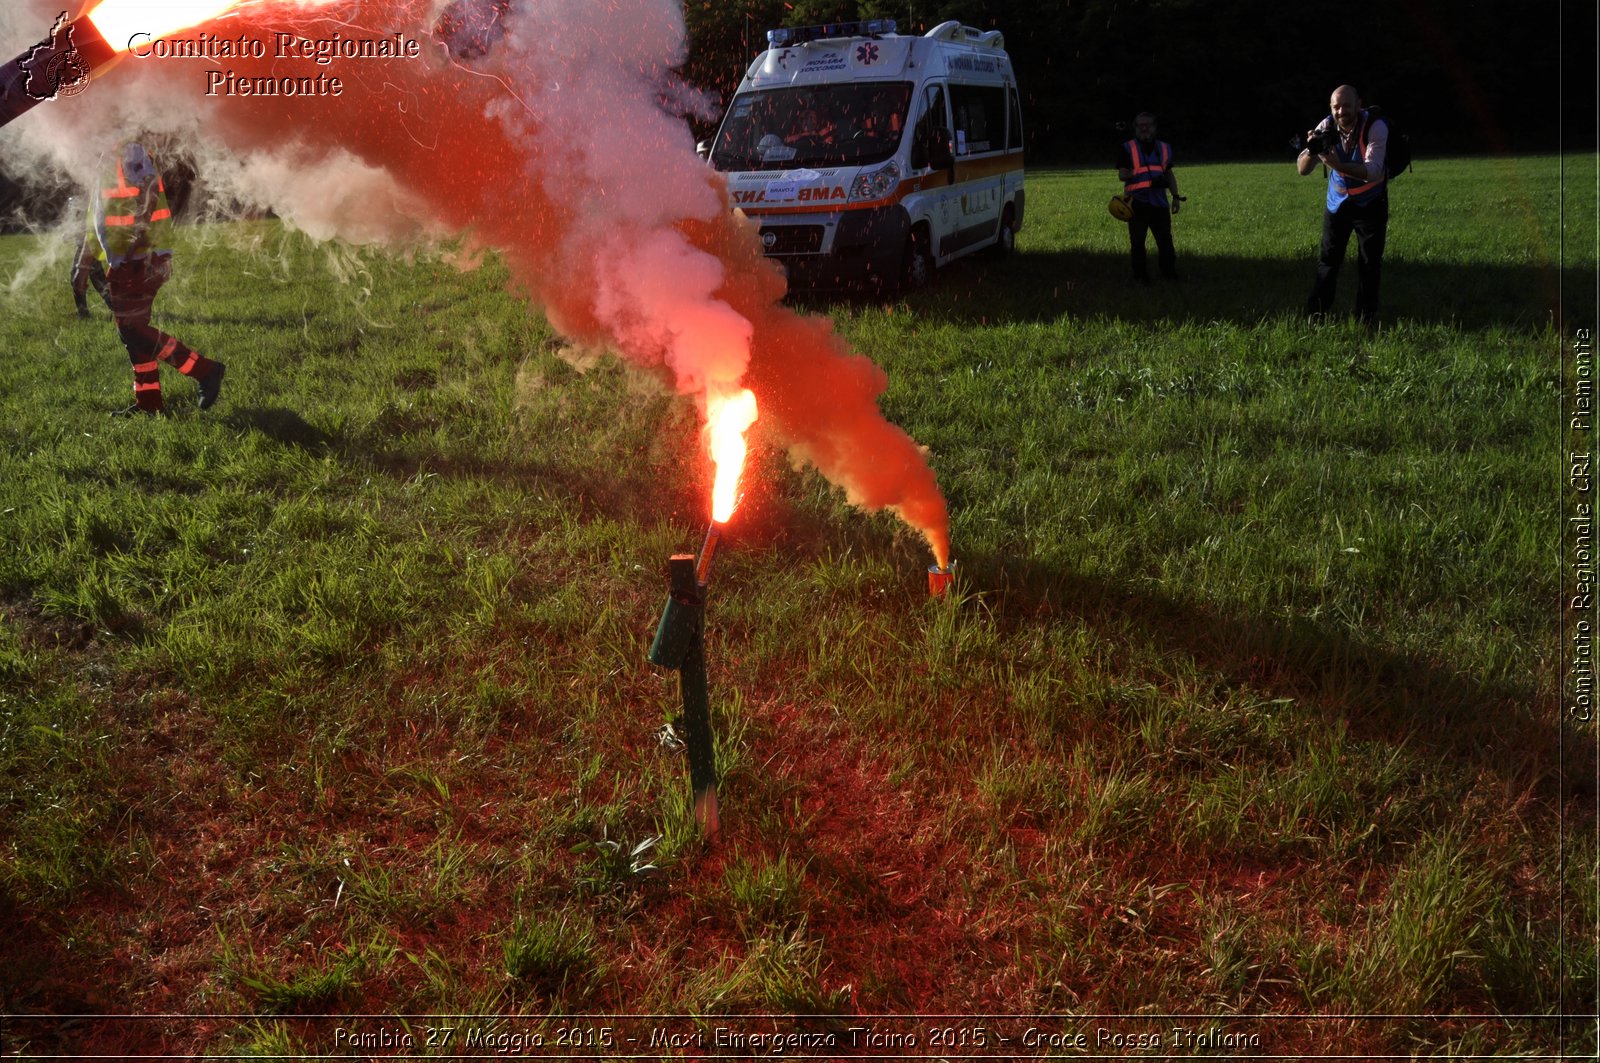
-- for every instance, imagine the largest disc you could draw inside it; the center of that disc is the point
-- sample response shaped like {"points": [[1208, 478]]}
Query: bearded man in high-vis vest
{"points": [[1145, 167], [130, 231], [1355, 146]]}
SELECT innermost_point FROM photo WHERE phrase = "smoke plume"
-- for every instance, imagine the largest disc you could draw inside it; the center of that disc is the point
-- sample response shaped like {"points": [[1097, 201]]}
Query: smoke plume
{"points": [[564, 146]]}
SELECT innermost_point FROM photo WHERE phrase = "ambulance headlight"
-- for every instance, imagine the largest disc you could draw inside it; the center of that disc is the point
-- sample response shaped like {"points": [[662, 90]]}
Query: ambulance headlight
{"points": [[876, 184]]}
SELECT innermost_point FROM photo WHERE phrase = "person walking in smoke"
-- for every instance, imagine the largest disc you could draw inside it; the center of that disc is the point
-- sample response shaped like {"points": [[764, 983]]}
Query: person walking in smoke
{"points": [[130, 233]]}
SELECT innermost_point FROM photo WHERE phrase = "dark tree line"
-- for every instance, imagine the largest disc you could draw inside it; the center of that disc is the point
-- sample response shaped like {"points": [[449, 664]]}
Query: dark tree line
{"points": [[1237, 78]]}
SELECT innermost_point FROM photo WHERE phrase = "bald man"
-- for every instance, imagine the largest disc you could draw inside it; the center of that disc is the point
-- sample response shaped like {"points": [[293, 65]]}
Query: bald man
{"points": [[1354, 145]]}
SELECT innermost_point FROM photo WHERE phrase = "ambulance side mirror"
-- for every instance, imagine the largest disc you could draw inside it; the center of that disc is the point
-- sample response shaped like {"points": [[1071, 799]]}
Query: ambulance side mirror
{"points": [[703, 149]]}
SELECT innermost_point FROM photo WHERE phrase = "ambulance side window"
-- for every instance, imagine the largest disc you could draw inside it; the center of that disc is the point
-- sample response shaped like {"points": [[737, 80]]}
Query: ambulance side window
{"points": [[980, 113], [931, 124], [1014, 125]]}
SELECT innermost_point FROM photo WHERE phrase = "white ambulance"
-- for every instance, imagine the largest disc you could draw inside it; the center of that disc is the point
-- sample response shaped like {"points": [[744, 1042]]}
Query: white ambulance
{"points": [[866, 156]]}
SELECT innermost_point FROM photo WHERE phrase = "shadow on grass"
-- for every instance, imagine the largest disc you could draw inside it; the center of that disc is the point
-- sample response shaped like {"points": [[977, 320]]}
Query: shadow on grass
{"points": [[44, 979], [284, 425], [622, 492], [615, 495], [1504, 726], [1045, 286]]}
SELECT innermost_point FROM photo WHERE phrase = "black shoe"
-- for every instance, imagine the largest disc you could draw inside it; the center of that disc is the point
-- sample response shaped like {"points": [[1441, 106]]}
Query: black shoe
{"points": [[211, 386], [136, 410]]}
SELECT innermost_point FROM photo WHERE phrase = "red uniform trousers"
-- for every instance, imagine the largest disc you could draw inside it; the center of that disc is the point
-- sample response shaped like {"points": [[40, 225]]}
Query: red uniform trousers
{"points": [[131, 291]]}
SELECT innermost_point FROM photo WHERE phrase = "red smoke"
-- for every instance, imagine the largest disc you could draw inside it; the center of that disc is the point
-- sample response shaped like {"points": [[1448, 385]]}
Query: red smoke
{"points": [[565, 148], [821, 398]]}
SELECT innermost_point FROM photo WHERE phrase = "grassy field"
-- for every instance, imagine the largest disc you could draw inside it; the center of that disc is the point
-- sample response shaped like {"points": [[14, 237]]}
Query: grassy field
{"points": [[333, 700]]}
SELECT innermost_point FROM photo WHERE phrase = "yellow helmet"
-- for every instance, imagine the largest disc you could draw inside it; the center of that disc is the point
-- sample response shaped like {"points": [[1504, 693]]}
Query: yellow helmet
{"points": [[1121, 207]]}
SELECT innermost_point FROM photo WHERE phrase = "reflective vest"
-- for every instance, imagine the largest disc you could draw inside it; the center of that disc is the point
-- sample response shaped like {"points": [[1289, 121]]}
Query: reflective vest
{"points": [[1340, 187], [116, 220], [1146, 170]]}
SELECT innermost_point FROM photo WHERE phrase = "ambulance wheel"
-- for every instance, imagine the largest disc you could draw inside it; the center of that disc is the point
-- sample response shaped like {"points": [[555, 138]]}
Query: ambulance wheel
{"points": [[1005, 241], [916, 269]]}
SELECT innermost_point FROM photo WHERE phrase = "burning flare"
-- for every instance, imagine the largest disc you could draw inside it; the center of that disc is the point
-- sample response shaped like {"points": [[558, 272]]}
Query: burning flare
{"points": [[119, 20], [728, 417]]}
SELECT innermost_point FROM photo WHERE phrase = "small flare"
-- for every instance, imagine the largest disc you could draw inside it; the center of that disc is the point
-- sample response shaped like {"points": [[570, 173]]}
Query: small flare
{"points": [[940, 579]]}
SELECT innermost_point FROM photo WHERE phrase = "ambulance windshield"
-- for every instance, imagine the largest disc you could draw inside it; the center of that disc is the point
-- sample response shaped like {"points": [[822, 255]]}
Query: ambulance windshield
{"points": [[817, 125]]}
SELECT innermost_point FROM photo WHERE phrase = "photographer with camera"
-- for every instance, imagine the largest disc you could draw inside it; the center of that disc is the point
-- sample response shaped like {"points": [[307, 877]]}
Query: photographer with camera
{"points": [[1145, 167], [1351, 143]]}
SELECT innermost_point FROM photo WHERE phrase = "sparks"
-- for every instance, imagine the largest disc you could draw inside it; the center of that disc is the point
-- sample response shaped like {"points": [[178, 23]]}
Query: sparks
{"points": [[728, 417]]}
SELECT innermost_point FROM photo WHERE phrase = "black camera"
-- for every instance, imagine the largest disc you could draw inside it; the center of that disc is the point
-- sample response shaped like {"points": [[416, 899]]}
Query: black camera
{"points": [[1322, 141]]}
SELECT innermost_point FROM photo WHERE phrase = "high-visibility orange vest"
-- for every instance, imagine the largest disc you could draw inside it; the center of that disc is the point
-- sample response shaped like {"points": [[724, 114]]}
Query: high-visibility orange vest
{"points": [[1145, 173], [117, 222]]}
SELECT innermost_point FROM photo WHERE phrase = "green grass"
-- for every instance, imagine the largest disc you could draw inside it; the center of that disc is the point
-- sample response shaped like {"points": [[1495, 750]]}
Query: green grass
{"points": [[549, 951], [334, 698]]}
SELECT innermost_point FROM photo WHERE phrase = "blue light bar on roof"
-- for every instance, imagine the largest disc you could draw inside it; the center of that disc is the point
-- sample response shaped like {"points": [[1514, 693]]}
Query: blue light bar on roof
{"points": [[785, 38]]}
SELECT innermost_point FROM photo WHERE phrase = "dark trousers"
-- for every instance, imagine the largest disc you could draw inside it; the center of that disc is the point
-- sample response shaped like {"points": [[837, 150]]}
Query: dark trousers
{"points": [[132, 289], [1147, 217], [1370, 224]]}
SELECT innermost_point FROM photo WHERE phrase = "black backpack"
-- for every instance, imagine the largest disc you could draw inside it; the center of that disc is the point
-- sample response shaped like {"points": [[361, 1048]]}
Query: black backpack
{"points": [[1397, 157]]}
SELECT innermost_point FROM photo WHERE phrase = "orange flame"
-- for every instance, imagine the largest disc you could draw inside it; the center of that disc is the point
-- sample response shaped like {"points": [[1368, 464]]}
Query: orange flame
{"points": [[120, 20], [728, 417]]}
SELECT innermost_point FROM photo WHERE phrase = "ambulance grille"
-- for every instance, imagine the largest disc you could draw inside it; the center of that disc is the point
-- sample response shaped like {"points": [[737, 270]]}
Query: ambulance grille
{"points": [[792, 239]]}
